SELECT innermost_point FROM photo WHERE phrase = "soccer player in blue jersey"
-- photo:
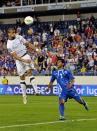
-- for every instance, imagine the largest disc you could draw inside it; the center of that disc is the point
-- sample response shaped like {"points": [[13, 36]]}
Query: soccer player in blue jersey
{"points": [[65, 83]]}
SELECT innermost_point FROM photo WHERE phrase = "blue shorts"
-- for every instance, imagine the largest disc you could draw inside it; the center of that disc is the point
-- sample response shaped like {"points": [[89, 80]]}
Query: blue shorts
{"points": [[69, 93]]}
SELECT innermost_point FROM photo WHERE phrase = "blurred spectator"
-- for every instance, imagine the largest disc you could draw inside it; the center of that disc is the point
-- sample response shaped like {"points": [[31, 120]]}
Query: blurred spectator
{"points": [[41, 62], [56, 32], [44, 38], [78, 17], [4, 80], [9, 3], [83, 70], [92, 19]]}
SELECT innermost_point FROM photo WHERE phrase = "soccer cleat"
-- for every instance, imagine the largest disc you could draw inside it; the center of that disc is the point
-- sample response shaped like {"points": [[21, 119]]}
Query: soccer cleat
{"points": [[62, 118], [86, 106], [25, 100], [37, 94]]}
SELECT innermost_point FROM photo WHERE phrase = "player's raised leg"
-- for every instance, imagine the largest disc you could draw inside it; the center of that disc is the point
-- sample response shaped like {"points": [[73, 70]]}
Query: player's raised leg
{"points": [[81, 101], [32, 81], [73, 93]]}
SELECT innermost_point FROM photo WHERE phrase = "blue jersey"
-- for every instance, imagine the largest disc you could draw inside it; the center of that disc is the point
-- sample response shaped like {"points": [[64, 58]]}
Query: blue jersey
{"points": [[63, 77]]}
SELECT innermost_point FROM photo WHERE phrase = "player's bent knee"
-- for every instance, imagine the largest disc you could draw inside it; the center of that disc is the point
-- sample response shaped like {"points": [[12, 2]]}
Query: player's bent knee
{"points": [[61, 101], [29, 72]]}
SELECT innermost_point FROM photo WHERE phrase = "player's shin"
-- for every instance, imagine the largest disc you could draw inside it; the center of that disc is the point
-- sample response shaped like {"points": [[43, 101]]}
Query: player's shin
{"points": [[61, 109], [81, 101], [32, 81], [23, 87]]}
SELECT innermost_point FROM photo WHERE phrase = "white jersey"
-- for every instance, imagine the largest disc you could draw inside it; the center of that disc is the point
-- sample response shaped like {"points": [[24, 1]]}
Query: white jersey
{"points": [[17, 45]]}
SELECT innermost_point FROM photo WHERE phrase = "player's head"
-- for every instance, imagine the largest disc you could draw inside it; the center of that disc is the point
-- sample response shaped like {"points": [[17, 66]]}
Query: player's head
{"points": [[60, 63], [11, 33]]}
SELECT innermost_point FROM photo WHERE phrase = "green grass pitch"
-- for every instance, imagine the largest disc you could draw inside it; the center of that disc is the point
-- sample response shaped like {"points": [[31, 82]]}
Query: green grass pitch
{"points": [[41, 114]]}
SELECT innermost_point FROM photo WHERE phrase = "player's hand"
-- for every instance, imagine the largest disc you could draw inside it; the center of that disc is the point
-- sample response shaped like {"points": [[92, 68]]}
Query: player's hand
{"points": [[69, 85]]}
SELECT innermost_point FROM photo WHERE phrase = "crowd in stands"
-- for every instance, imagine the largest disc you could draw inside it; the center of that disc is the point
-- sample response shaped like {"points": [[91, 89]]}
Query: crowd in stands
{"points": [[9, 3], [75, 41]]}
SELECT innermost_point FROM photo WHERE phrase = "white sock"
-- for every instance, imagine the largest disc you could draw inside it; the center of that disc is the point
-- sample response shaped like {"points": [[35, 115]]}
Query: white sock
{"points": [[23, 86], [32, 81]]}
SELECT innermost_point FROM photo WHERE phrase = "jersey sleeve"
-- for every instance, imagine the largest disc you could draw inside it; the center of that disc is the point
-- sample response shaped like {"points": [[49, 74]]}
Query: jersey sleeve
{"points": [[52, 77], [22, 39]]}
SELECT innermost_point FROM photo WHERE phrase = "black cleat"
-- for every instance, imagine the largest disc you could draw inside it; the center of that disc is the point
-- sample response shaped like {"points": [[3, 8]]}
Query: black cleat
{"points": [[62, 119], [86, 106], [37, 94]]}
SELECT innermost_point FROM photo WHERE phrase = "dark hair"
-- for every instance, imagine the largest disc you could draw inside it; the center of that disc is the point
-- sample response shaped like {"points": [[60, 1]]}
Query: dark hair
{"points": [[62, 60], [9, 29]]}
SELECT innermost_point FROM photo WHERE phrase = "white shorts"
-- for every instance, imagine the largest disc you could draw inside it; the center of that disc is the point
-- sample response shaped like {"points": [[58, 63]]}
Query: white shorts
{"points": [[23, 67]]}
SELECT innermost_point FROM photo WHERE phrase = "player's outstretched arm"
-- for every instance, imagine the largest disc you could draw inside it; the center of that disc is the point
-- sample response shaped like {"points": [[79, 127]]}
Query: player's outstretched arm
{"points": [[49, 86], [31, 46]]}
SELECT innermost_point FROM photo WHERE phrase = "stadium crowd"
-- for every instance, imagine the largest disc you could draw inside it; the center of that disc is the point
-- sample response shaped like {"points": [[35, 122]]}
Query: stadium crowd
{"points": [[75, 41], [9, 3], [12, 3]]}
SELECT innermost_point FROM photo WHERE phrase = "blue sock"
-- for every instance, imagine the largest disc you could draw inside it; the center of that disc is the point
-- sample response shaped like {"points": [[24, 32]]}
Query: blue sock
{"points": [[61, 109]]}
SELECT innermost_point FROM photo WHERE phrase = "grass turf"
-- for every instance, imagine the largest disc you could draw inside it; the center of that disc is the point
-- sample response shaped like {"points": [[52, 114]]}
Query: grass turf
{"points": [[42, 109]]}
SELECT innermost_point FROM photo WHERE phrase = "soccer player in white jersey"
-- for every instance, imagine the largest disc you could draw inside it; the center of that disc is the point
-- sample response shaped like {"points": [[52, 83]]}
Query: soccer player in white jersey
{"points": [[16, 45]]}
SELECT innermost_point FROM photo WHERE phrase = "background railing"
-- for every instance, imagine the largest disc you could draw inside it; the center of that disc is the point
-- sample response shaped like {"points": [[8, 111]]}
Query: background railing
{"points": [[35, 5]]}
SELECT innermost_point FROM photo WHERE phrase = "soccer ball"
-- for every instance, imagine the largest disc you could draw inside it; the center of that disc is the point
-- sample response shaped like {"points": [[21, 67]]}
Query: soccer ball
{"points": [[28, 20]]}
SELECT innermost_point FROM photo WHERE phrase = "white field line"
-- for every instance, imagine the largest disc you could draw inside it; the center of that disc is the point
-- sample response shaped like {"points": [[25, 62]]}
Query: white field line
{"points": [[47, 123]]}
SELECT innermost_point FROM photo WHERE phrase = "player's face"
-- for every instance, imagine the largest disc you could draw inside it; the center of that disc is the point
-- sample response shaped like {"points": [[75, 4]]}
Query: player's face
{"points": [[60, 64], [11, 34]]}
